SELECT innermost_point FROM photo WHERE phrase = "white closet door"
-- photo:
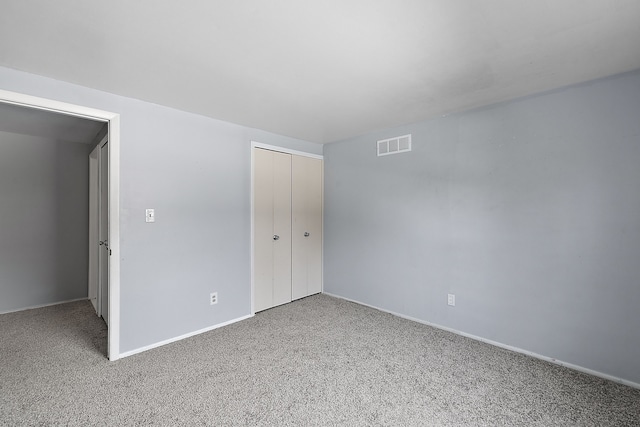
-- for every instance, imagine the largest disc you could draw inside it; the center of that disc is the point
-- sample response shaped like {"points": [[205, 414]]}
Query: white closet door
{"points": [[306, 226], [281, 228], [272, 229]]}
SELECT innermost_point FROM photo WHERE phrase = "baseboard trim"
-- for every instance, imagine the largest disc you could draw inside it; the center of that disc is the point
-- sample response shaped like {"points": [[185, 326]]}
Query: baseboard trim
{"points": [[498, 344], [181, 337], [43, 305]]}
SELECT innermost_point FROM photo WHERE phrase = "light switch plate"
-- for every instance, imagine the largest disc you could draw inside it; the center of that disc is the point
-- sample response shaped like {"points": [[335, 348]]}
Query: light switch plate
{"points": [[451, 299], [151, 215]]}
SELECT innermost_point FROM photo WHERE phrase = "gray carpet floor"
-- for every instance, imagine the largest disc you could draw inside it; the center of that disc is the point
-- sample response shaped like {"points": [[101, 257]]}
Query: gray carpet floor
{"points": [[318, 361]]}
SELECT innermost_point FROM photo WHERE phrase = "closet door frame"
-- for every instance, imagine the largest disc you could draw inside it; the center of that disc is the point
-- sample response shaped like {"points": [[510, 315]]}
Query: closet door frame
{"points": [[255, 144]]}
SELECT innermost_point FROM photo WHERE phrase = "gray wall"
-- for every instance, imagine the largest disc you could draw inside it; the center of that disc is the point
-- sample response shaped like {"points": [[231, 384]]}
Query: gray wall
{"points": [[43, 221], [528, 211], [195, 171]]}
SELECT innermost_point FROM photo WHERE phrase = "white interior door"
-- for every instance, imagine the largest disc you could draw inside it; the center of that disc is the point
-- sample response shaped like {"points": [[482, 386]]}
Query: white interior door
{"points": [[94, 191], [306, 195], [272, 229], [104, 252], [281, 228], [263, 229]]}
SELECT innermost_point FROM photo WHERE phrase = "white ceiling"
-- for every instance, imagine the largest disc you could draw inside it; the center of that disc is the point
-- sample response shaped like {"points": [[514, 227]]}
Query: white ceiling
{"points": [[321, 70]]}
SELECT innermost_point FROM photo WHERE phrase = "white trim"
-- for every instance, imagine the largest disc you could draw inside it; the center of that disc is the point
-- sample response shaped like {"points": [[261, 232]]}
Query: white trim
{"points": [[181, 337], [114, 238], [32, 307], [251, 194], [322, 225], [113, 346], [53, 106], [255, 144], [499, 344]]}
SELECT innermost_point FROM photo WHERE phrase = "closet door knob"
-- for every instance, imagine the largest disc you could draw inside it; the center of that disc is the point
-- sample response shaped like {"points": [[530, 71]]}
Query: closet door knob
{"points": [[276, 237], [306, 234]]}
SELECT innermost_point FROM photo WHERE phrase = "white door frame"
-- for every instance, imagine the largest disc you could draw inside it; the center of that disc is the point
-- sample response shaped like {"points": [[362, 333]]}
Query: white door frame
{"points": [[255, 144], [113, 120]]}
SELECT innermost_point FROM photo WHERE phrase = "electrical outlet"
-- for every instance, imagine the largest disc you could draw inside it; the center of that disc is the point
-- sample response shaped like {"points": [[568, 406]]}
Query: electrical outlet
{"points": [[451, 299], [213, 298]]}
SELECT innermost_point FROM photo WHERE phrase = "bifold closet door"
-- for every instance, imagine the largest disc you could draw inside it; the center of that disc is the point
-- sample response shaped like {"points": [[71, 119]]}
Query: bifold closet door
{"points": [[306, 198], [272, 229]]}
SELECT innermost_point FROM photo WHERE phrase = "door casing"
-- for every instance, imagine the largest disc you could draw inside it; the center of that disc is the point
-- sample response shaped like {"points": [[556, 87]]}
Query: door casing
{"points": [[113, 120]]}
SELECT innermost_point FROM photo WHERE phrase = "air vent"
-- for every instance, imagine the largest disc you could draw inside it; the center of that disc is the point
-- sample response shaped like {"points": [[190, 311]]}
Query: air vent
{"points": [[396, 145]]}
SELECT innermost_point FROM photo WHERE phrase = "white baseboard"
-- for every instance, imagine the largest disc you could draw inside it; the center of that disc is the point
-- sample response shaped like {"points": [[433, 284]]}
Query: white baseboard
{"points": [[499, 344], [181, 337], [43, 305]]}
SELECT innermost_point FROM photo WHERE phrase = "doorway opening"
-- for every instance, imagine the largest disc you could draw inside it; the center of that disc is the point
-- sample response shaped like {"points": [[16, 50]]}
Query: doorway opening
{"points": [[111, 201]]}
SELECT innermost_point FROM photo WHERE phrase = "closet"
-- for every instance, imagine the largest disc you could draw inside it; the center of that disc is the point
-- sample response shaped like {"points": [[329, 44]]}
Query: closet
{"points": [[287, 218]]}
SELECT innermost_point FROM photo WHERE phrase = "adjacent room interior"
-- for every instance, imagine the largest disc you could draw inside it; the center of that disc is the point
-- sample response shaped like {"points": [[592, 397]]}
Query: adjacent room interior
{"points": [[45, 217], [461, 175]]}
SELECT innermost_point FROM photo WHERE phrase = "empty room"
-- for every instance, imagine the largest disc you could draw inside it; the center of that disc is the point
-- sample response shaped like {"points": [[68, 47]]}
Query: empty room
{"points": [[401, 213]]}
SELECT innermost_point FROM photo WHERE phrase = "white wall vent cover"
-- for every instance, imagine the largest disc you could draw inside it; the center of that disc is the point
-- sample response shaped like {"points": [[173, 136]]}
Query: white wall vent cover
{"points": [[396, 145]]}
